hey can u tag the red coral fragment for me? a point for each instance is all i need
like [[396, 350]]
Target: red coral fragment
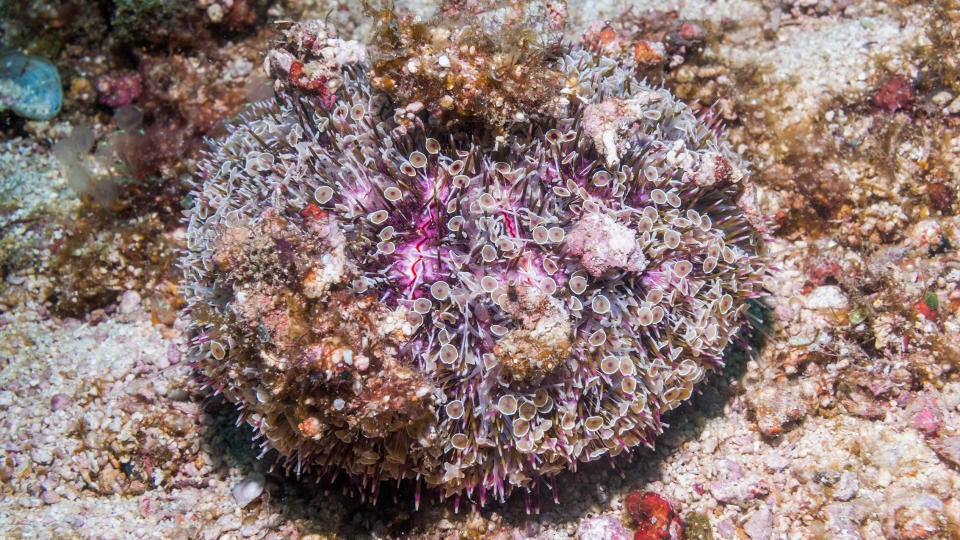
[[312, 211], [654, 517], [893, 94], [823, 269], [922, 308], [316, 84]]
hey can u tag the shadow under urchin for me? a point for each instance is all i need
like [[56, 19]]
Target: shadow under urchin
[[388, 301]]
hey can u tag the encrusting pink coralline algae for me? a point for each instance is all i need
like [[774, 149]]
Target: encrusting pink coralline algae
[[470, 310]]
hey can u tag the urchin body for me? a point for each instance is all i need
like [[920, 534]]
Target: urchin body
[[470, 312]]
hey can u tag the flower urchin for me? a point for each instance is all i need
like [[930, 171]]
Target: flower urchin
[[470, 312]]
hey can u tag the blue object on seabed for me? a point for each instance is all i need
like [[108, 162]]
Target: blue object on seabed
[[29, 85]]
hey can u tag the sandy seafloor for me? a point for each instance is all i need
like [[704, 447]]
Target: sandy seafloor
[[844, 424]]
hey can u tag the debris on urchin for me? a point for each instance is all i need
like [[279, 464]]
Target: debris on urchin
[[470, 311]]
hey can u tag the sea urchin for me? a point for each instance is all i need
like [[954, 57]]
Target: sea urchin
[[469, 311]]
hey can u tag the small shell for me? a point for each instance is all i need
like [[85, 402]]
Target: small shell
[[593, 423], [323, 194], [628, 385], [524, 445], [654, 296], [548, 285], [520, 427], [489, 283], [418, 160], [578, 284], [422, 305], [489, 361], [554, 136], [597, 338], [673, 199], [455, 223], [705, 223], [432, 145], [601, 178], [461, 181], [456, 167], [645, 225], [658, 196], [393, 194], [600, 304], [386, 247], [460, 441], [549, 266], [709, 264], [610, 365], [540, 397], [454, 409], [540, 234], [682, 268], [448, 354], [440, 290], [556, 234], [218, 350], [671, 238], [378, 217], [645, 317], [488, 253], [408, 169], [357, 112], [487, 202], [726, 302], [498, 330], [527, 410], [507, 404]]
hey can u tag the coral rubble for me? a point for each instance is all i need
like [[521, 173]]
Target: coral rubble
[[474, 310]]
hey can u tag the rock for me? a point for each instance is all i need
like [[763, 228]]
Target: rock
[[59, 402], [758, 527], [741, 490], [911, 514], [129, 302], [248, 489], [775, 461], [947, 447], [841, 520], [827, 297], [602, 528], [42, 456], [49, 497], [29, 85], [954, 107], [846, 487], [774, 406]]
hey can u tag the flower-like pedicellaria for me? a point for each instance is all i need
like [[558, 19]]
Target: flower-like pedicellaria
[[473, 312]]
